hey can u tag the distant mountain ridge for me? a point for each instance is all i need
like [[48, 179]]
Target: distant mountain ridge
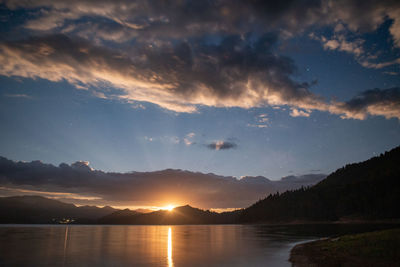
[[41, 210], [37, 209], [179, 215]]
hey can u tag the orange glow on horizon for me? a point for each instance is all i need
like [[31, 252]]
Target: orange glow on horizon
[[168, 207]]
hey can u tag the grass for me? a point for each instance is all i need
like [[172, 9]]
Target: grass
[[380, 248]]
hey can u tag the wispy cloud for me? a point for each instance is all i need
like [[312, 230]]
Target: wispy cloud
[[299, 113], [124, 19], [257, 125], [148, 139], [371, 65], [166, 139], [393, 73], [385, 103], [18, 96], [188, 139], [262, 121], [49, 194], [345, 40]]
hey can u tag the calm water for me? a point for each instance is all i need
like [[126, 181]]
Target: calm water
[[186, 245]]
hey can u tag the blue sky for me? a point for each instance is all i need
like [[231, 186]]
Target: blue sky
[[209, 96]]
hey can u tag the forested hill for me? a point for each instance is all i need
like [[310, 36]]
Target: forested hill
[[367, 190]]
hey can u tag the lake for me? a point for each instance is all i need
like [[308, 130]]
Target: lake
[[178, 245]]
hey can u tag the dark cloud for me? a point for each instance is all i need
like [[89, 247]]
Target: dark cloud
[[81, 165], [152, 19], [182, 54], [237, 72], [383, 102], [221, 145], [149, 19], [78, 181]]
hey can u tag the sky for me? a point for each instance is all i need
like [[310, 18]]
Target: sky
[[235, 88]]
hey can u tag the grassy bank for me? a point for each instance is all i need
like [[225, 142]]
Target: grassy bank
[[381, 248]]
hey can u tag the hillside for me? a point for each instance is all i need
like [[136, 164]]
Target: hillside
[[379, 248], [179, 215], [36, 209], [41, 210], [368, 190]]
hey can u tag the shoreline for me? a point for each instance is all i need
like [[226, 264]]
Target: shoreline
[[377, 248], [297, 256], [265, 224], [341, 222]]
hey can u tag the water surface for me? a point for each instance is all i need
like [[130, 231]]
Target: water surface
[[183, 245]]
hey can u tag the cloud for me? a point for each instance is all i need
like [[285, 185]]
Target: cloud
[[122, 20], [147, 19], [166, 139], [138, 188], [149, 139], [257, 125], [18, 96], [350, 20], [393, 73], [373, 102], [341, 43], [10, 191], [233, 73], [81, 165], [188, 139], [366, 16], [355, 47], [262, 121], [187, 54], [263, 118], [221, 145], [174, 140], [191, 135], [299, 113], [380, 65]]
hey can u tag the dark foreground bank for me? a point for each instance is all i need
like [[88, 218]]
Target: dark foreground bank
[[380, 248]]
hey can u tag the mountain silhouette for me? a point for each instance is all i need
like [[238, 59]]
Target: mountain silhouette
[[369, 190], [37, 209], [179, 215]]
